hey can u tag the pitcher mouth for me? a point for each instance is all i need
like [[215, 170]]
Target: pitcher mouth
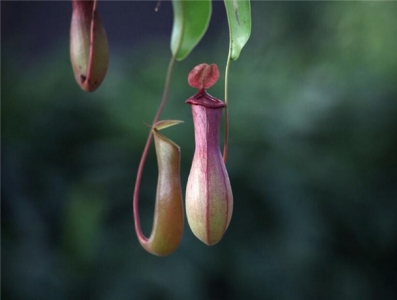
[[204, 99]]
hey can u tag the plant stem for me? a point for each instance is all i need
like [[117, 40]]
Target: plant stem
[[226, 139], [135, 204]]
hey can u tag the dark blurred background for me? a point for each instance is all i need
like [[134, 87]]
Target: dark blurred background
[[312, 157]]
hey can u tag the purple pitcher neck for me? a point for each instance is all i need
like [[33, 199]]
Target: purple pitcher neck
[[204, 99], [207, 116]]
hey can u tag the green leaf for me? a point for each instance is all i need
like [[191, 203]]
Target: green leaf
[[191, 19], [239, 18]]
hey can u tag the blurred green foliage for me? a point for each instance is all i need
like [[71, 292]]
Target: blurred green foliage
[[312, 161]]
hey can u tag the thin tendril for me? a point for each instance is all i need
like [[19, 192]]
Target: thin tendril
[[135, 204], [226, 139]]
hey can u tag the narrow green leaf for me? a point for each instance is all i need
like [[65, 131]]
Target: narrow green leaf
[[239, 18], [191, 19]]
